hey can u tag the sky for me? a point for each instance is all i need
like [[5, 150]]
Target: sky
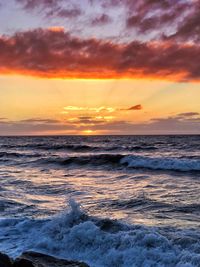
[[91, 67]]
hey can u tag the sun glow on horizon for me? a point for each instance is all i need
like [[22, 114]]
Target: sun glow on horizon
[[88, 132], [103, 107]]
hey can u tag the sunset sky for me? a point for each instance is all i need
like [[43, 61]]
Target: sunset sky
[[99, 67]]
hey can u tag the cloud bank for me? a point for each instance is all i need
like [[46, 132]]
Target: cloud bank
[[185, 123], [58, 54], [150, 39]]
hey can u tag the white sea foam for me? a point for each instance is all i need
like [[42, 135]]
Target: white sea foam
[[161, 163], [100, 243]]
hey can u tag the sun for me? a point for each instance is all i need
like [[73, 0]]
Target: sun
[[88, 132]]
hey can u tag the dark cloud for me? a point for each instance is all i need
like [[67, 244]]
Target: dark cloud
[[52, 8], [170, 125], [3, 121], [168, 20], [136, 107], [176, 125], [50, 53], [172, 20], [188, 114], [148, 15], [35, 4], [188, 29], [178, 20], [38, 120], [88, 120], [101, 20], [69, 13], [85, 118], [33, 126], [155, 126]]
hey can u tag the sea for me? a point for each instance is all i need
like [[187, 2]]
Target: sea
[[109, 201]]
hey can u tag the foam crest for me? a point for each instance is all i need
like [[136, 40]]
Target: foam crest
[[100, 242], [161, 163]]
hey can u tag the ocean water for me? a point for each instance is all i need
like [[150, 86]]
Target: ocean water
[[116, 201]]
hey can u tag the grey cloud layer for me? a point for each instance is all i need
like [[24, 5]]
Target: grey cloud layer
[[185, 123], [169, 20]]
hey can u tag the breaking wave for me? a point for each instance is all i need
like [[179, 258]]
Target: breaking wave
[[159, 163], [181, 164], [130, 161], [100, 242]]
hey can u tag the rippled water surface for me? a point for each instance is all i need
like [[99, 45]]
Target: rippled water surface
[[149, 184]]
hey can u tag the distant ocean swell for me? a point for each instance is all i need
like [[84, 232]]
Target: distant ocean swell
[[101, 242], [80, 148], [179, 164]]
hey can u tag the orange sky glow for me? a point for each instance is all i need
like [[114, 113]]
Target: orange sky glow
[[120, 68]]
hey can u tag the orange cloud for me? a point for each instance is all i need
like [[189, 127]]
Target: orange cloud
[[56, 29], [95, 109], [58, 54]]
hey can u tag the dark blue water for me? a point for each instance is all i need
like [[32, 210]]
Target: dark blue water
[[148, 188]]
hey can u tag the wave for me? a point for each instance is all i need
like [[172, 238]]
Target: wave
[[81, 147], [9, 154], [75, 235], [142, 147], [161, 163], [180, 164], [52, 146], [130, 161], [4, 155], [95, 160], [190, 208], [142, 203]]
